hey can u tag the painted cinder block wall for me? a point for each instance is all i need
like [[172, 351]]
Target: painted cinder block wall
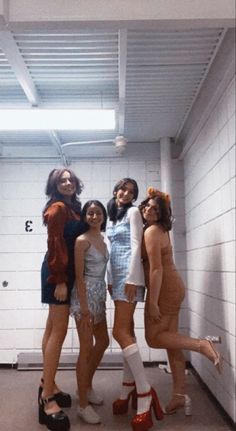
[[203, 203], [209, 166], [23, 243]]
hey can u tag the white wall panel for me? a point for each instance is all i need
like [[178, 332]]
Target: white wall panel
[[18, 225], [20, 280], [22, 316], [209, 168], [11, 242], [20, 261], [20, 207], [31, 189]]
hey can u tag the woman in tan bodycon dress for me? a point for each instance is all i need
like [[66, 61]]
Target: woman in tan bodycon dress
[[165, 293]]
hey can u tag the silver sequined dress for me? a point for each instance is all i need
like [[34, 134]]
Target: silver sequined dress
[[94, 273]]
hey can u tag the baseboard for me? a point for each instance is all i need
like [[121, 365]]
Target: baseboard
[[34, 361]]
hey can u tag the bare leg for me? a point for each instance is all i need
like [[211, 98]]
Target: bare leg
[[101, 343], [123, 329], [46, 334], [177, 361], [46, 337], [123, 333], [164, 335], [155, 337], [177, 365], [58, 321], [82, 366]]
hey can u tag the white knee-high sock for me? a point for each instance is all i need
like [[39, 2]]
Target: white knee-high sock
[[133, 358], [127, 378]]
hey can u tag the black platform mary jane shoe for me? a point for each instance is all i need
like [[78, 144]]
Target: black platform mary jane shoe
[[58, 421], [62, 398]]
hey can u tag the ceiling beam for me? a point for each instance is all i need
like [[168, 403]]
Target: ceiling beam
[[44, 11], [122, 78], [14, 58], [57, 144]]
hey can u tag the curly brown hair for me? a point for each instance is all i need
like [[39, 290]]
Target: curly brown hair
[[165, 214]]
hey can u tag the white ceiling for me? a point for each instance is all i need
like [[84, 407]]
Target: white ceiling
[[151, 77]]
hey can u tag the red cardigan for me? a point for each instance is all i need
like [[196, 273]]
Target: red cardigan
[[56, 216]]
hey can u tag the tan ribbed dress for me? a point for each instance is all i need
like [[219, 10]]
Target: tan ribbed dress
[[172, 288]]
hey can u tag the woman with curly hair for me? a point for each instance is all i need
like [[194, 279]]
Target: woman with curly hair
[[165, 293]]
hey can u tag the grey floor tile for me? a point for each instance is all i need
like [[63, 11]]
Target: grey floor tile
[[18, 402]]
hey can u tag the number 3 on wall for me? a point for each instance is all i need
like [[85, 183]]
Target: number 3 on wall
[[28, 227]]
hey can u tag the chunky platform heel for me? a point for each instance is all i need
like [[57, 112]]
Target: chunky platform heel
[[120, 406], [58, 421], [143, 421], [62, 398]]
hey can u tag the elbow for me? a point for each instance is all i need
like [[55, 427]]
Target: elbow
[[156, 274]]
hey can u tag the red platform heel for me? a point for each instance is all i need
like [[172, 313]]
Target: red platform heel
[[143, 421], [120, 407]]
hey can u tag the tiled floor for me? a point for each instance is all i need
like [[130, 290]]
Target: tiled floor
[[18, 405]]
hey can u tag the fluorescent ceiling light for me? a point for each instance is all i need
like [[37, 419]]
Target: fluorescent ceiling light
[[57, 119]]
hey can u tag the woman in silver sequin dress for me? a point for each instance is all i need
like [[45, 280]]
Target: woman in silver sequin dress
[[88, 306]]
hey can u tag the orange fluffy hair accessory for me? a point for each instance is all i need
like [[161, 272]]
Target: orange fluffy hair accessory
[[155, 193]]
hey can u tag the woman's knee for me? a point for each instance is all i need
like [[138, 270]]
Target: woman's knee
[[116, 334], [151, 340], [103, 344], [102, 341], [123, 322], [122, 336], [58, 320]]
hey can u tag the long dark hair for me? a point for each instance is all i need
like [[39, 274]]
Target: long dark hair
[[98, 204], [165, 219], [54, 196], [115, 213]]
